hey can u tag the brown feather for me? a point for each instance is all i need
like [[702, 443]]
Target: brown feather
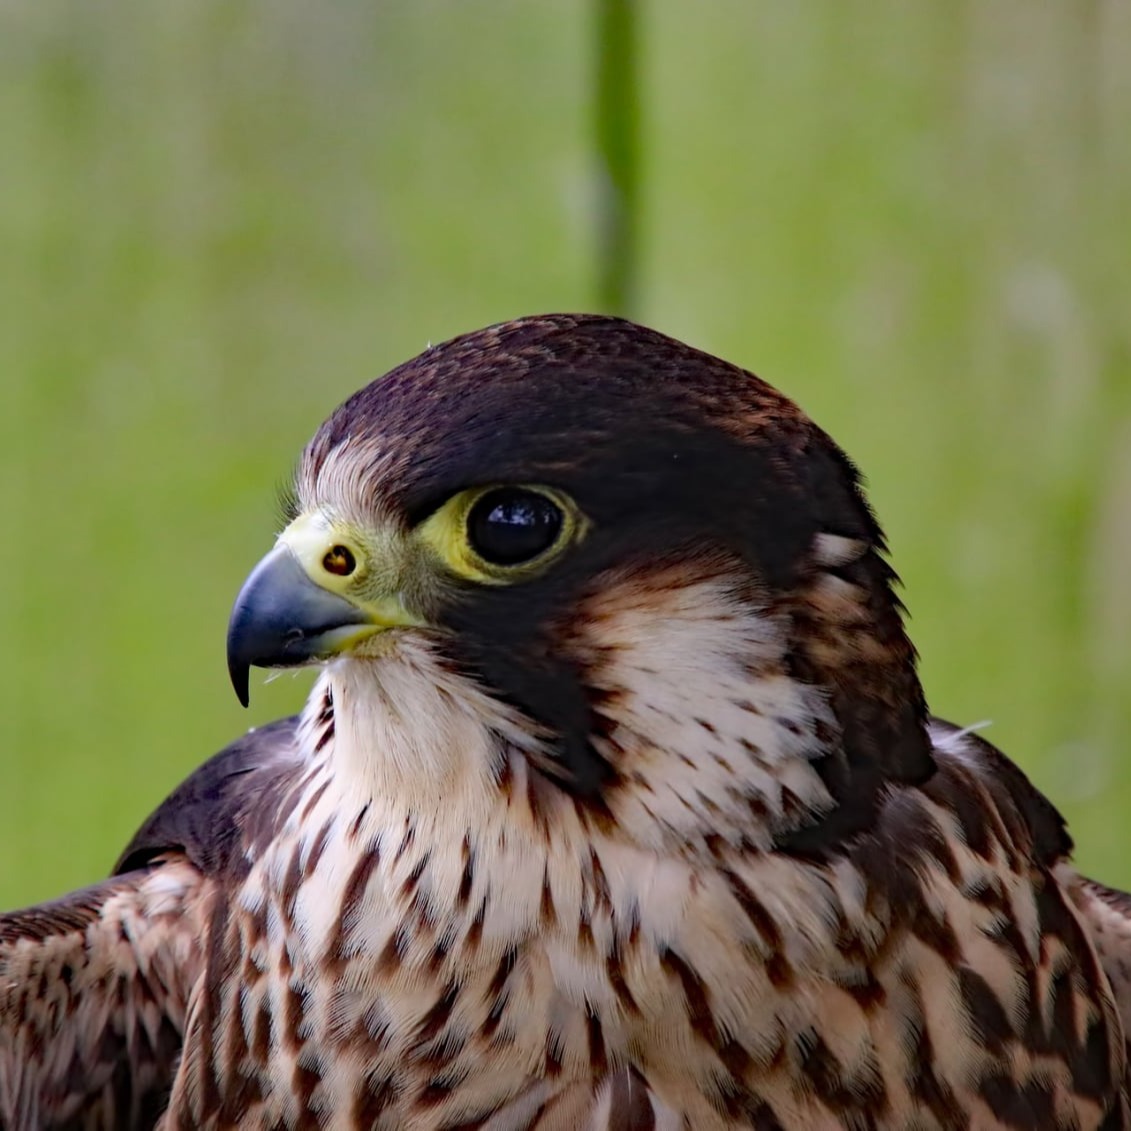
[[1106, 914], [93, 992]]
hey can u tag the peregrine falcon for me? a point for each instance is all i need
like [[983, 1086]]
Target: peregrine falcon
[[616, 804]]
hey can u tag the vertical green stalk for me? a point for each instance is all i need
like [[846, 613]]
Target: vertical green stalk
[[618, 153]]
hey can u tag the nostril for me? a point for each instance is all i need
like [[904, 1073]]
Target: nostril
[[339, 560]]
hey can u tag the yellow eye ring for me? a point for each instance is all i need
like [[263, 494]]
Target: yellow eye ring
[[503, 533], [512, 526]]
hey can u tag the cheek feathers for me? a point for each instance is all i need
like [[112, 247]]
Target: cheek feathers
[[708, 736]]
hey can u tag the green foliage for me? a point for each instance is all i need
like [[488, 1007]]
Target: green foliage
[[219, 218]]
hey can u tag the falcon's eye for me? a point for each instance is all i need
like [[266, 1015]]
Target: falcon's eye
[[511, 525], [504, 533]]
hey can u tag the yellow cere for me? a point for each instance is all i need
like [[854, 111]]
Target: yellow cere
[[378, 559]]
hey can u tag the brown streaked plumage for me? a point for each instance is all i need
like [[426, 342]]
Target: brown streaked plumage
[[616, 804]]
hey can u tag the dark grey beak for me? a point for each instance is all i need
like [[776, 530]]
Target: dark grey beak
[[282, 619]]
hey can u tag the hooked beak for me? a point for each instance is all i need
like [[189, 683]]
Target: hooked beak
[[282, 619]]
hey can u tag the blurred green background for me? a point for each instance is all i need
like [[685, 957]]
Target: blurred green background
[[219, 217]]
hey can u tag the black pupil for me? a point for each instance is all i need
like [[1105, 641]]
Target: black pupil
[[510, 525]]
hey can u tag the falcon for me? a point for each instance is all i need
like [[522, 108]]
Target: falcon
[[616, 804]]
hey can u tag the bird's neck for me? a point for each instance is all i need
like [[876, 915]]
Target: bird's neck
[[424, 783], [432, 853], [710, 739], [414, 744], [401, 729]]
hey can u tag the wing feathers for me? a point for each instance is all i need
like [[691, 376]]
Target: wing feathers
[[93, 990], [94, 986], [1107, 916]]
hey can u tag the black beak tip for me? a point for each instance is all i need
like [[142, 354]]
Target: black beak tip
[[239, 673], [280, 619], [239, 669]]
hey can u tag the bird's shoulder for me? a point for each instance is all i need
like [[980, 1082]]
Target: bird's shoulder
[[976, 802], [991, 795], [970, 872], [977, 829], [95, 986], [231, 804], [94, 989]]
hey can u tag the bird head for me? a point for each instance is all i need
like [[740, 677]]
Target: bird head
[[648, 559]]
